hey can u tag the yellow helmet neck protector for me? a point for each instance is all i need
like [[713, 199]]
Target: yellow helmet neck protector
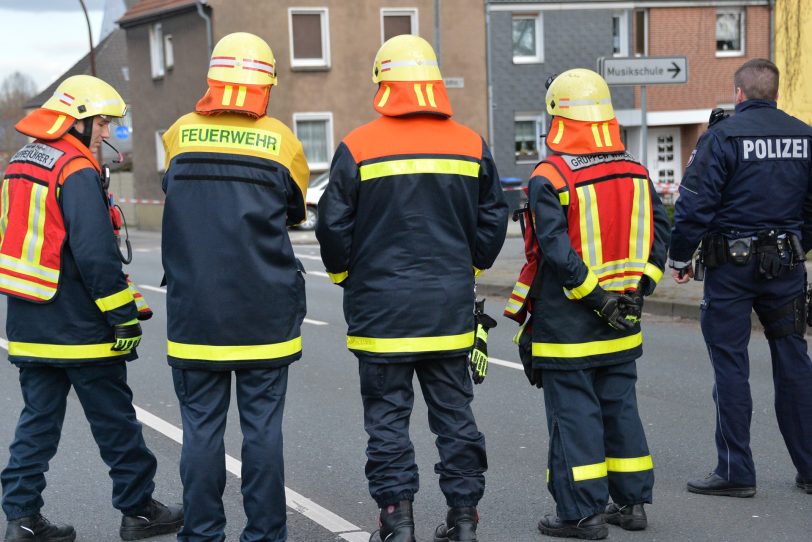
[[580, 94]]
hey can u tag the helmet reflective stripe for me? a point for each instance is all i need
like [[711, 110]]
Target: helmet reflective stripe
[[580, 94], [257, 65], [223, 62], [566, 102], [389, 64], [243, 59], [64, 97]]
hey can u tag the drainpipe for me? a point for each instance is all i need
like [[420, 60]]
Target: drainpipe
[[489, 70], [437, 30], [772, 30], [207, 19]]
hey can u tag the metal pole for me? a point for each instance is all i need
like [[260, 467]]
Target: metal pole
[[437, 32], [643, 125], [489, 74], [90, 38]]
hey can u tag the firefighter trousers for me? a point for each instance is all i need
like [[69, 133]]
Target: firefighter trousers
[[204, 398], [597, 444], [388, 397], [731, 293], [106, 400]]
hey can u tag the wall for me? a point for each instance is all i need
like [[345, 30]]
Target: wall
[[793, 55]]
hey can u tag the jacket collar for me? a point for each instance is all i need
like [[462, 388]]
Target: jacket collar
[[81, 148], [567, 136], [251, 100], [756, 104]]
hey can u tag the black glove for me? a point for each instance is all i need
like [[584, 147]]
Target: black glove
[[479, 353], [634, 312], [127, 335], [616, 309]]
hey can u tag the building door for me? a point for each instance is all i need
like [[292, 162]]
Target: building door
[[664, 160]]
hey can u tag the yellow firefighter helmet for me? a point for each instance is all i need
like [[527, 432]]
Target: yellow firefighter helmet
[[406, 58], [580, 94], [243, 58], [83, 96]]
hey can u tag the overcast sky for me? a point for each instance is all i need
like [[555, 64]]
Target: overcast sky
[[43, 38]]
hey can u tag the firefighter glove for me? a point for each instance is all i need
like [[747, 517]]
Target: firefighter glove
[[479, 354], [614, 308], [127, 335]]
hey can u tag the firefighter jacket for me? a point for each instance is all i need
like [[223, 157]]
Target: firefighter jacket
[[750, 172], [59, 263], [598, 222], [235, 291], [413, 209]]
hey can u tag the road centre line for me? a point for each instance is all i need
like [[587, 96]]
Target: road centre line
[[509, 364], [298, 502], [163, 291]]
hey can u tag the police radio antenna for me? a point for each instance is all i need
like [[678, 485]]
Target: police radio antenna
[[120, 158]]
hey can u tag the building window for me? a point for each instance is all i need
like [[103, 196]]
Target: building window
[[620, 34], [156, 50], [160, 152], [640, 32], [528, 43], [527, 137], [730, 32], [315, 131], [395, 22], [309, 30]]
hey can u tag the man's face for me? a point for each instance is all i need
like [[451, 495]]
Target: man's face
[[100, 131]]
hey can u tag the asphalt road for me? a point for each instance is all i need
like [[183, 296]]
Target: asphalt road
[[325, 440]]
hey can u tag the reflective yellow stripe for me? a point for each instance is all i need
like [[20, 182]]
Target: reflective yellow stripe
[[646, 219], [564, 197], [596, 135], [4, 209], [60, 120], [430, 94], [560, 132], [27, 268], [39, 237], [606, 137], [115, 301], [23, 286], [620, 284], [580, 350], [227, 95], [234, 353], [512, 307], [629, 464], [411, 344], [585, 288], [589, 219], [420, 165], [382, 101], [36, 218], [596, 225], [589, 472], [521, 289], [64, 351], [419, 93], [653, 272], [241, 92], [338, 277], [477, 272], [626, 267], [548, 475]]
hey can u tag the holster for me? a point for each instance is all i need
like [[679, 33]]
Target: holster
[[774, 329], [714, 250]]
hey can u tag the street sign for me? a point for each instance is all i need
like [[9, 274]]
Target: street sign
[[122, 132], [644, 70]]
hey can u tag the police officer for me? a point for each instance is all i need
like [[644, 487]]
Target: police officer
[[235, 179], [413, 211], [746, 195], [72, 320], [601, 234]]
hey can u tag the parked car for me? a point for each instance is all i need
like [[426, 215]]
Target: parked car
[[314, 191]]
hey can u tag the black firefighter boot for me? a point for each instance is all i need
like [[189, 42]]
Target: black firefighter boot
[[37, 528], [396, 524], [460, 525]]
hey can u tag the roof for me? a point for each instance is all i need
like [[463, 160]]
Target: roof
[[111, 64], [148, 10]]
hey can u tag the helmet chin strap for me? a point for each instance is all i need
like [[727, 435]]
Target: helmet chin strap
[[87, 131]]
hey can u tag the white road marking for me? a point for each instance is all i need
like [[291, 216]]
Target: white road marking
[[509, 364], [318, 274], [298, 502], [308, 257], [163, 291]]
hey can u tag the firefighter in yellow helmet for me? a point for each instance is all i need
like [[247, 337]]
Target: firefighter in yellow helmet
[[235, 179], [601, 231], [72, 320], [413, 211]]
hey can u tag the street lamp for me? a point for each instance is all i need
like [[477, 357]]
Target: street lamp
[[90, 38]]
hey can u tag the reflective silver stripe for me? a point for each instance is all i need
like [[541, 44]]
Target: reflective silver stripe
[[19, 285], [519, 289], [586, 197], [38, 193], [620, 283], [267, 68], [619, 266], [22, 267], [642, 216], [222, 63], [387, 65], [564, 102]]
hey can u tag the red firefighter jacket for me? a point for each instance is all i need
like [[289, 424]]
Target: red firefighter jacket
[[597, 221], [58, 261]]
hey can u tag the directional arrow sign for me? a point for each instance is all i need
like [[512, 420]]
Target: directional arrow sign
[[644, 70]]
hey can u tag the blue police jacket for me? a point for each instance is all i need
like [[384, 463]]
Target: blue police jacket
[[750, 172]]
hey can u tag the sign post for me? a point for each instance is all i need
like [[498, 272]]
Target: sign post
[[643, 71]]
